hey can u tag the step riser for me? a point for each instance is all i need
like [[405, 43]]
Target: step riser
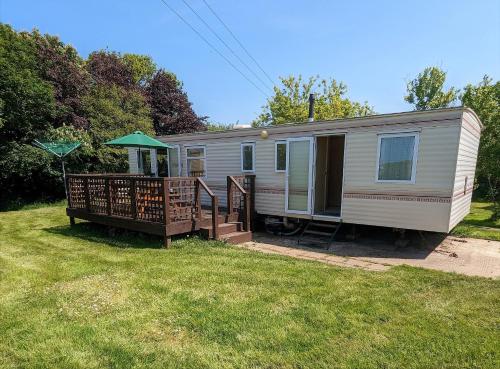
[[207, 232], [239, 238]]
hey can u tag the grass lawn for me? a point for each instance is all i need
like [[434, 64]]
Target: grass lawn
[[478, 223], [76, 298]]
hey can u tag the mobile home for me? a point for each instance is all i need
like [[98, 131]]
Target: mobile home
[[412, 170]]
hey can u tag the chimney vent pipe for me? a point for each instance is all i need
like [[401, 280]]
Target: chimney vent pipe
[[311, 107]]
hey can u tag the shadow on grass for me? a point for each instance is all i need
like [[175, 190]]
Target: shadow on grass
[[101, 234]]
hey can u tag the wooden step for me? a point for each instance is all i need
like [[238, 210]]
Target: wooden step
[[237, 237], [318, 233], [207, 220], [224, 228], [324, 225]]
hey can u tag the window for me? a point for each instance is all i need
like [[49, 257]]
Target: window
[[280, 156], [144, 161], [162, 162], [396, 161], [174, 161], [248, 157], [196, 161]]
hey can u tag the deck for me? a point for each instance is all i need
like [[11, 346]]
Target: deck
[[159, 206]]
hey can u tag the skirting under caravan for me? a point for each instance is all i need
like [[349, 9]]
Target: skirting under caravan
[[412, 170]]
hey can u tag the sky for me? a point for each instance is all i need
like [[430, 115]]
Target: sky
[[374, 47]]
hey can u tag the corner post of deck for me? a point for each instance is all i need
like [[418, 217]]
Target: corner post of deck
[[247, 211], [167, 240], [198, 200], [252, 200], [215, 217], [71, 221], [68, 193], [229, 196]]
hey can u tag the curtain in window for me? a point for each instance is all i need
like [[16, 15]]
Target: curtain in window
[[396, 158]]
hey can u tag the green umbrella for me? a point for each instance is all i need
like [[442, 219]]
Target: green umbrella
[[139, 140]]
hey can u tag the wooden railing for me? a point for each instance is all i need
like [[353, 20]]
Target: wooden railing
[[214, 206], [240, 193], [165, 206]]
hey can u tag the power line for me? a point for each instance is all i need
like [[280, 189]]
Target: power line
[[213, 47], [239, 42], [226, 45]]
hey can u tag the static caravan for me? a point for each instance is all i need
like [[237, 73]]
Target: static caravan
[[412, 170]]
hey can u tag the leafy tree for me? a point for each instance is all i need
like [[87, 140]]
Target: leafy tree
[[171, 110], [62, 67], [142, 66], [427, 91], [217, 127], [27, 108], [28, 102], [484, 99], [290, 103], [108, 68], [112, 112]]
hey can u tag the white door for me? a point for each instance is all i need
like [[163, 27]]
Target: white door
[[299, 161]]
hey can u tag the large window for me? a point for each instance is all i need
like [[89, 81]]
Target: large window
[[397, 156], [248, 157], [280, 156], [196, 165]]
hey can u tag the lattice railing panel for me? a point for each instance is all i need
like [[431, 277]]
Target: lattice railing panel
[[97, 195], [76, 192], [149, 199], [183, 204], [120, 196]]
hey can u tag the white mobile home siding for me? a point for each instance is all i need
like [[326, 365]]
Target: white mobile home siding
[[427, 204], [465, 169]]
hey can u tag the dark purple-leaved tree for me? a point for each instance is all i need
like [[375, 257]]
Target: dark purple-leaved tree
[[60, 65], [170, 108], [108, 68]]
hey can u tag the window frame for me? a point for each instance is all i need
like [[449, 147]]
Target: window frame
[[412, 180], [244, 144], [204, 158], [276, 143]]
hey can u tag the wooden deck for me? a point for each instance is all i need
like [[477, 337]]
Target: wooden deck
[[155, 205]]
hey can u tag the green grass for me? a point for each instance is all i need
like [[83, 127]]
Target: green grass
[[478, 223], [76, 298]]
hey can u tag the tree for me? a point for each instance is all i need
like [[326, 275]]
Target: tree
[[62, 67], [108, 68], [291, 102], [484, 99], [112, 112], [171, 110], [27, 109], [427, 90], [142, 66]]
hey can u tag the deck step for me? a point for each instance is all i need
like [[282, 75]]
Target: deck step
[[328, 230], [224, 228], [318, 233], [323, 225], [237, 237]]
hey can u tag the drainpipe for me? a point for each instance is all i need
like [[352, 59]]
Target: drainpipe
[[311, 108]]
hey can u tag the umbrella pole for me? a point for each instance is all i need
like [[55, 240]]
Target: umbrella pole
[[64, 178]]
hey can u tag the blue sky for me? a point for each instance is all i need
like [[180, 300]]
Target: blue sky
[[372, 46]]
